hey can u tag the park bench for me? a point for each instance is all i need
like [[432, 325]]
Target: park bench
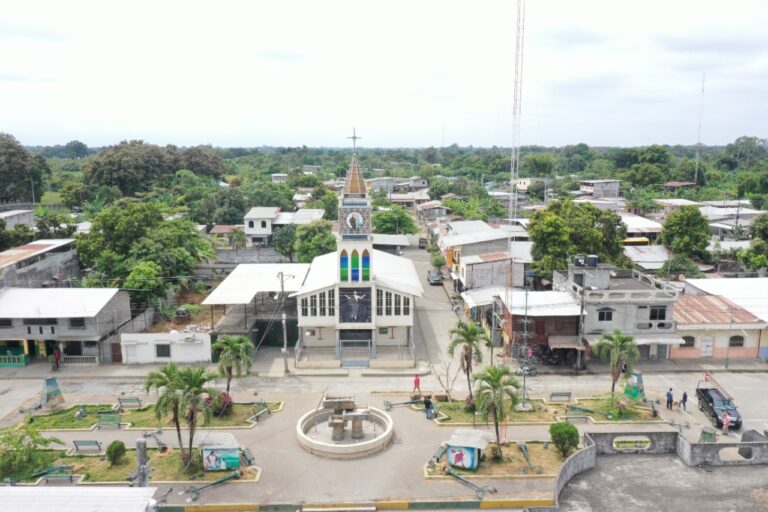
[[109, 420], [59, 473], [261, 408], [560, 396], [439, 453], [247, 456], [569, 417], [129, 401], [86, 444]]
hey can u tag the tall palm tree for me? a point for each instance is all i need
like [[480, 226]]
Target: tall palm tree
[[195, 395], [166, 382], [237, 240], [495, 386], [619, 349], [469, 336], [234, 356]]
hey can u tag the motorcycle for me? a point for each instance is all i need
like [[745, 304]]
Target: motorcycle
[[527, 370]]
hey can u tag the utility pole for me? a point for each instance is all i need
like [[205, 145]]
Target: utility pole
[[282, 277], [698, 140], [142, 469], [581, 325], [525, 335], [730, 335]]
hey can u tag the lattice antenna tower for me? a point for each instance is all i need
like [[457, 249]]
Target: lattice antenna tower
[[698, 139]]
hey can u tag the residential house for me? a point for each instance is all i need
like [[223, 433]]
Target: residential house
[[626, 300], [454, 247], [310, 169], [258, 224], [417, 183], [677, 186], [279, 177], [600, 188], [301, 198], [14, 217], [458, 227], [82, 322], [42, 263], [432, 210], [482, 270], [166, 347], [648, 258], [713, 326], [223, 230], [410, 199], [299, 217], [640, 227], [673, 204]]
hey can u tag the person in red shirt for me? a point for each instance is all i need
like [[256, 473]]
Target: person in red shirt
[[416, 385]]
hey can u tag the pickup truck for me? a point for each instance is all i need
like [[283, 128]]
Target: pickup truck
[[713, 403]]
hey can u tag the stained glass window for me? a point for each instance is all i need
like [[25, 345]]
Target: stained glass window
[[344, 266], [355, 265], [366, 266]]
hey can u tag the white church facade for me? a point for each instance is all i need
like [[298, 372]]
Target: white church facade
[[356, 305]]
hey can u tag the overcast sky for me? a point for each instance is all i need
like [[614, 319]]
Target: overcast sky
[[405, 73]]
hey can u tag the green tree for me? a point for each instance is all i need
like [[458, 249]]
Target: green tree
[[130, 166], [20, 450], [196, 400], [75, 149], [74, 194], [496, 391], [680, 264], [755, 258], [115, 451], [396, 220], [438, 261], [283, 240], [618, 349], [746, 151], [54, 225], [686, 231], [144, 281], [165, 382], [314, 239], [538, 165], [231, 206], [21, 173], [237, 240], [565, 437], [469, 336], [234, 356], [759, 227]]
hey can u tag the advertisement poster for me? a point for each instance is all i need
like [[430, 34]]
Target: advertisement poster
[[462, 457], [634, 387], [221, 459], [52, 396]]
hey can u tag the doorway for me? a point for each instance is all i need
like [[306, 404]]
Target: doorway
[[116, 353], [707, 346]]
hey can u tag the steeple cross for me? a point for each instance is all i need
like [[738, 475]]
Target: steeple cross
[[354, 138]]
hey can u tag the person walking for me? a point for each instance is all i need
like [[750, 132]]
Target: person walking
[[416, 385], [428, 410], [56, 358], [669, 399], [684, 400], [726, 419]]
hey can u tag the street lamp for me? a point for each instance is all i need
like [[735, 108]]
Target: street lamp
[[283, 277]]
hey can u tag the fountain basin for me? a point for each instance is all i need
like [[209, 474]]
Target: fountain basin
[[314, 435]]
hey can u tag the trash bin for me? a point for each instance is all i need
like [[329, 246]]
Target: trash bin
[[430, 413]]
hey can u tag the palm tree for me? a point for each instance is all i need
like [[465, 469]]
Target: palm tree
[[237, 240], [495, 386], [166, 382], [469, 336], [619, 349], [234, 356], [196, 399]]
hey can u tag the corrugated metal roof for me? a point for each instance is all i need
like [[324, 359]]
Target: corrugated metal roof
[[248, 279], [22, 252], [710, 309], [650, 257], [748, 292], [262, 212], [54, 302], [81, 498], [470, 438], [638, 224], [540, 303], [473, 238]]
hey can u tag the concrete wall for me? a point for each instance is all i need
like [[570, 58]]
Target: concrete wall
[[250, 255], [192, 347], [59, 265], [484, 274], [24, 217], [721, 339], [483, 247], [660, 442], [395, 336]]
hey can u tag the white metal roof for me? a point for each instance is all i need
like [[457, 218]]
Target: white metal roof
[[751, 293], [302, 216], [389, 271], [248, 279], [395, 240], [481, 296], [54, 302], [13, 213], [473, 238], [651, 339], [81, 498], [262, 212], [674, 201], [458, 227], [727, 245], [650, 257], [638, 224], [540, 303], [470, 438], [715, 213], [521, 251]]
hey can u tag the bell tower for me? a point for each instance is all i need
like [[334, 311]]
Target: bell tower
[[355, 242]]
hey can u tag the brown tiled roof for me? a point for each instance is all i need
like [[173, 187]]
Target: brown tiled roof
[[223, 229], [710, 309], [354, 184], [494, 256]]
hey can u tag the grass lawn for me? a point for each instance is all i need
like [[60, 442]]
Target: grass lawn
[[541, 412], [145, 416], [65, 419], [603, 405], [43, 459], [513, 463], [165, 467]]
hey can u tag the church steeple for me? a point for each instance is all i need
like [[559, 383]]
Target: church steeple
[[355, 205], [354, 185]]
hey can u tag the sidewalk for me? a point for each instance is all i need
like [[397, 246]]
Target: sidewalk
[[665, 366]]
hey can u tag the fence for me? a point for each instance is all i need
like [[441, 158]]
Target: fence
[[19, 360], [87, 360]]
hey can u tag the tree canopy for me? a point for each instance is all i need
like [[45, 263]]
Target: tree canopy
[[314, 239], [686, 231], [394, 220], [22, 174]]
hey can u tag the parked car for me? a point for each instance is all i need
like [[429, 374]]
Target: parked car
[[423, 243], [713, 402], [434, 277]]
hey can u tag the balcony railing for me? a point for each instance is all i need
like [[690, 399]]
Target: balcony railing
[[80, 360], [20, 360]]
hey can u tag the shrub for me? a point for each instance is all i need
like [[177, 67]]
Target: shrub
[[222, 404], [115, 452], [564, 436]]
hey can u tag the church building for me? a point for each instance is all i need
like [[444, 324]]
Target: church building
[[356, 305]]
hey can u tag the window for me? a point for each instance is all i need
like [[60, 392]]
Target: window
[[53, 330], [163, 350], [322, 304], [5, 323], [736, 341], [383, 330], [250, 223], [379, 302], [388, 304], [264, 224], [343, 266], [332, 302], [355, 265], [29, 330], [304, 311], [40, 321], [366, 265], [644, 325], [605, 315], [397, 305], [313, 305], [77, 323], [406, 306], [658, 313], [689, 341]]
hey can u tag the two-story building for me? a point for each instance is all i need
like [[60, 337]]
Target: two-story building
[[44, 262], [600, 188], [258, 224], [82, 322], [356, 305], [626, 300]]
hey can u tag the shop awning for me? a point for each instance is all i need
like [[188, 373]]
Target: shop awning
[[650, 339], [565, 342], [454, 276]]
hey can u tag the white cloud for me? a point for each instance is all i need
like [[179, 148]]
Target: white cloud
[[303, 72]]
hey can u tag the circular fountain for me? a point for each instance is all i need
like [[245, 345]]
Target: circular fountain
[[342, 430]]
